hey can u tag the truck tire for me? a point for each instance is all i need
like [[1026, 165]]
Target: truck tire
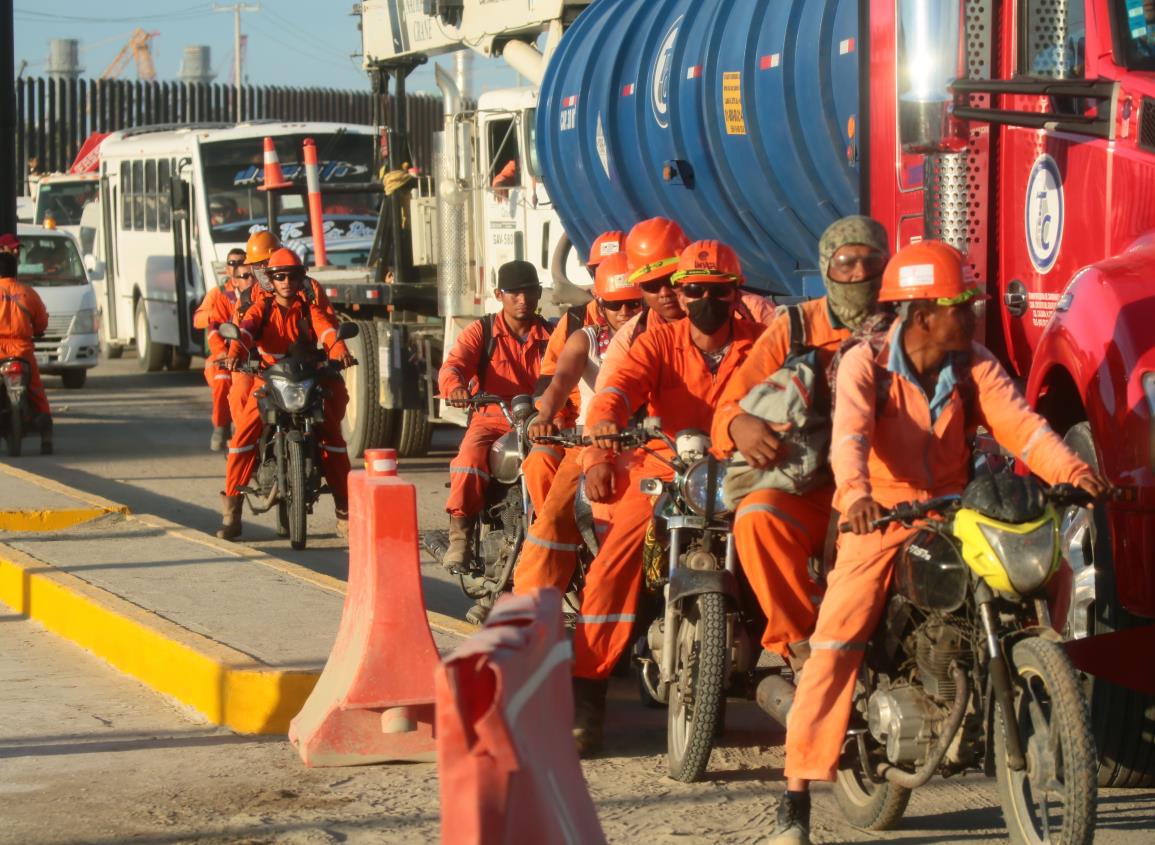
[[1123, 720], [74, 379], [179, 361], [151, 356], [414, 431], [366, 424]]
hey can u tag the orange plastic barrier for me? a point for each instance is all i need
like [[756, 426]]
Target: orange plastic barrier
[[274, 178], [509, 767], [374, 701]]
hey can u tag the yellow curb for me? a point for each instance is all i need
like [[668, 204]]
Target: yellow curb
[[52, 520], [226, 686], [63, 490]]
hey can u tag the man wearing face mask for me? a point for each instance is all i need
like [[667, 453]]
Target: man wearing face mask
[[776, 532], [679, 370]]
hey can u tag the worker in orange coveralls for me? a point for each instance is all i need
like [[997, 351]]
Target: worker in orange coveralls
[[258, 249], [543, 460], [776, 533], [498, 354], [218, 307], [914, 448], [22, 318], [272, 325], [549, 554], [679, 370]]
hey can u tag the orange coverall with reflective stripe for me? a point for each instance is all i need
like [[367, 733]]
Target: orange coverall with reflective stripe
[[896, 453], [218, 307], [22, 317], [513, 369], [776, 533], [665, 370], [273, 340]]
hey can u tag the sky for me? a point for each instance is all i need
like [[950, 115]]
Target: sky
[[290, 42]]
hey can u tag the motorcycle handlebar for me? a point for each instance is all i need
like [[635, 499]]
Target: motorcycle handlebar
[[906, 512]]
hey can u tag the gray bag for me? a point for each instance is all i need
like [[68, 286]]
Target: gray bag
[[795, 401]]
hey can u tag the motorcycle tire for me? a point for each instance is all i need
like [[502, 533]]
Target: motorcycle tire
[[865, 804], [702, 670], [298, 526], [282, 518], [15, 431], [1123, 720], [1048, 702]]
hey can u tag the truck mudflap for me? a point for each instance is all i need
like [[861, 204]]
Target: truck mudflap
[[402, 369]]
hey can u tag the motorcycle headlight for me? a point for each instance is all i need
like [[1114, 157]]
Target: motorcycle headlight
[[84, 322], [505, 459], [1029, 557], [696, 487], [931, 573], [292, 396]]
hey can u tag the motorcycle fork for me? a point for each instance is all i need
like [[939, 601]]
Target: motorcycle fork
[[669, 632], [1001, 685]]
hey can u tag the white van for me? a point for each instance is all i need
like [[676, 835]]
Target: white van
[[50, 263]]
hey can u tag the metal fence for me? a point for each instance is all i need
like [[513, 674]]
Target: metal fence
[[53, 116]]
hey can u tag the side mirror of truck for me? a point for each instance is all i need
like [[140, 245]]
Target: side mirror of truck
[[179, 191], [229, 331], [348, 330]]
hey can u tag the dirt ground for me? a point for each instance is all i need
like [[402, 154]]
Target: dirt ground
[[89, 756]]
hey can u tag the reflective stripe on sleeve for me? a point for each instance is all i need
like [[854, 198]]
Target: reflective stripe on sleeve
[[610, 618], [616, 390], [838, 645], [241, 449], [1032, 441], [552, 546]]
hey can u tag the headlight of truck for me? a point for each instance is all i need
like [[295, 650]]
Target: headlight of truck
[[1028, 558], [292, 396], [84, 322], [695, 488]]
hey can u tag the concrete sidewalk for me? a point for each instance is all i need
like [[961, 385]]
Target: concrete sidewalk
[[234, 633]]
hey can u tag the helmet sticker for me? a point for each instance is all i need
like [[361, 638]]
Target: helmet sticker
[[916, 276]]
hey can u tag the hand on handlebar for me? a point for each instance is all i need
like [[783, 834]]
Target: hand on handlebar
[[346, 361], [605, 436], [229, 363], [862, 515], [541, 428], [458, 398], [1095, 485]]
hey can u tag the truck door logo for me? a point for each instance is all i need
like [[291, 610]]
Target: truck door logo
[[663, 73], [1044, 213]]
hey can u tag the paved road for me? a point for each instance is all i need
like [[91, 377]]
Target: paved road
[[89, 756]]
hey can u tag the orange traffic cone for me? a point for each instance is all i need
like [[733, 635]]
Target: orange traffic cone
[[274, 178]]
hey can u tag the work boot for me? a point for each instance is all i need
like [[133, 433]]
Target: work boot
[[231, 516], [793, 824], [589, 704], [45, 425], [219, 439], [342, 512], [460, 549]]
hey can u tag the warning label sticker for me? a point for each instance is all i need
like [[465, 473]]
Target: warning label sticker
[[732, 103]]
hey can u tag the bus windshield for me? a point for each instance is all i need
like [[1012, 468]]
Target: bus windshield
[[234, 169], [64, 201], [47, 260]]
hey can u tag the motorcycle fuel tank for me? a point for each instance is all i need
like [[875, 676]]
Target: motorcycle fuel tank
[[737, 118]]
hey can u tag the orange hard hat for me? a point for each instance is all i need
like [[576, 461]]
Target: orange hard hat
[[928, 270], [653, 247], [260, 246], [607, 244], [612, 280], [708, 262], [284, 259]]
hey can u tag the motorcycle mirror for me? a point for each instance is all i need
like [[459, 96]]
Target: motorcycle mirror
[[652, 424], [348, 330], [229, 331]]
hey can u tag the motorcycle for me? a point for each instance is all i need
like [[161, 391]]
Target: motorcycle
[[966, 673], [15, 407], [288, 473], [699, 647]]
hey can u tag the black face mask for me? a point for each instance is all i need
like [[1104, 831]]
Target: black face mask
[[708, 315]]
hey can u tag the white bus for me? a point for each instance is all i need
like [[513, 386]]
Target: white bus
[[174, 201]]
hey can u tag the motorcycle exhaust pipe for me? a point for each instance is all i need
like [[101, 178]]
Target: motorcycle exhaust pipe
[[913, 780]]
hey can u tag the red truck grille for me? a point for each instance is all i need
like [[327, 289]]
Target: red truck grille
[[1147, 124]]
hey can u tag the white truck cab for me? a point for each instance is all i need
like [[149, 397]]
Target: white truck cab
[[50, 262]]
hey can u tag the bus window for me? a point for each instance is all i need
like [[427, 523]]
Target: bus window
[[125, 195], [164, 195], [138, 195], [150, 197]]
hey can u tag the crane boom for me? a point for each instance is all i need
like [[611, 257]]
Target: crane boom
[[393, 30]]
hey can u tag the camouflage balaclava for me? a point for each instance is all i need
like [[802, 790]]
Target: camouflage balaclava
[[851, 302]]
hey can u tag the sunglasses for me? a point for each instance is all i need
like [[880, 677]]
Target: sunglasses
[[710, 291], [244, 275], [534, 291], [285, 277], [238, 263], [656, 285], [620, 304]]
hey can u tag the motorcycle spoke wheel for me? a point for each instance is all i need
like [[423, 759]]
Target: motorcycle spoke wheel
[[864, 803], [1053, 799], [298, 527], [701, 672]]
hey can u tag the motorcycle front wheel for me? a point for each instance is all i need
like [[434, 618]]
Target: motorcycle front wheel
[[701, 672], [1053, 800], [296, 494]]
